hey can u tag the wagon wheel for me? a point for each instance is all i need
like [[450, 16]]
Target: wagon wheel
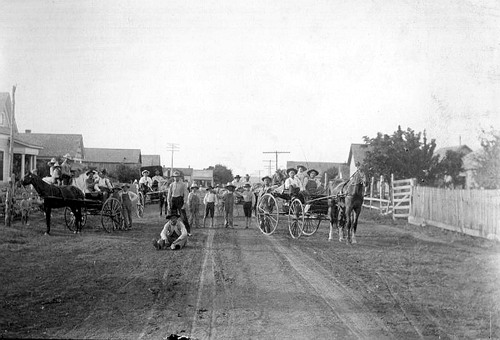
[[296, 218], [69, 218], [111, 215], [311, 225], [267, 214], [140, 205]]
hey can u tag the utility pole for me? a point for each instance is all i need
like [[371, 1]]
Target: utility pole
[[276, 153], [268, 167], [172, 147], [10, 192]]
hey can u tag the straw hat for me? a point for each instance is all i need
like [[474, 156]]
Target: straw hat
[[145, 172], [269, 178], [291, 169], [52, 161], [301, 167], [194, 185], [229, 185], [176, 173], [67, 156], [313, 170]]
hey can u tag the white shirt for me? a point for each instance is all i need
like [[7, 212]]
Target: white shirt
[[295, 181]]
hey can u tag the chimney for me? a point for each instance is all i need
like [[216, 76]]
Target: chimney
[[27, 131]]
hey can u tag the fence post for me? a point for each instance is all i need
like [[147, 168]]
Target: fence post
[[392, 195], [380, 194]]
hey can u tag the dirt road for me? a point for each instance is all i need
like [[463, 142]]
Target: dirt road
[[399, 281]]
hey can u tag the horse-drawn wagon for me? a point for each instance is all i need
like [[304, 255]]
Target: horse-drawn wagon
[[77, 205]]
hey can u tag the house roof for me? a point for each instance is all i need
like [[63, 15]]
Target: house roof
[[107, 155], [184, 171], [358, 152], [150, 160], [461, 149], [54, 145]]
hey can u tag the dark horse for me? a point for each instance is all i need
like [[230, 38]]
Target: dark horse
[[57, 197], [354, 191]]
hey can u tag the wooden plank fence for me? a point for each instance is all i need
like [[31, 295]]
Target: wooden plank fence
[[472, 212]]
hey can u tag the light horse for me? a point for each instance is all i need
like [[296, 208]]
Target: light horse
[[57, 197]]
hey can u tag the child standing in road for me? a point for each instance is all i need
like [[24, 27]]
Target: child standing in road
[[228, 198], [126, 198], [194, 206], [248, 203], [25, 209], [210, 200]]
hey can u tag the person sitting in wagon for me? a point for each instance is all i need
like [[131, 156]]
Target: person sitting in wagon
[[156, 180], [91, 187], [310, 183], [293, 185], [66, 169], [104, 184], [145, 183]]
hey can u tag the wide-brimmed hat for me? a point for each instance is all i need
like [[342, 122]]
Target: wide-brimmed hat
[[52, 161], [126, 185], [172, 214], [291, 169], [237, 176], [247, 185], [90, 172], [228, 185], [312, 170], [145, 172], [56, 165], [176, 174], [301, 167], [67, 156], [269, 178], [194, 185]]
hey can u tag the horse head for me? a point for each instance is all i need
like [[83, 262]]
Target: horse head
[[28, 179]]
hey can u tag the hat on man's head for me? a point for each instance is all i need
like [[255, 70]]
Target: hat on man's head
[[291, 169], [145, 172], [52, 161], [237, 176], [126, 185], [67, 156], [172, 214], [269, 178], [313, 170], [176, 174], [229, 185], [301, 167], [90, 172], [194, 185], [56, 165], [247, 185]]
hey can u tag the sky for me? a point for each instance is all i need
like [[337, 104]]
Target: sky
[[227, 81]]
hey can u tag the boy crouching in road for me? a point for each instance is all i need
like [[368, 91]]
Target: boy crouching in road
[[173, 235]]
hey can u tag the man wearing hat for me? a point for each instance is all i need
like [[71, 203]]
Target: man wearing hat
[[193, 203], [126, 197], [177, 197], [236, 182], [301, 172], [266, 187], [104, 184], [247, 180], [145, 183], [210, 200], [90, 183], [174, 234], [228, 199], [248, 202], [66, 169]]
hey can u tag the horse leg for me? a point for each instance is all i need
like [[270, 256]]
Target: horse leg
[[357, 211], [333, 221], [47, 218], [348, 226]]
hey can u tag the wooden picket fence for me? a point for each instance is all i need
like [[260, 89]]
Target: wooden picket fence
[[391, 199], [472, 212]]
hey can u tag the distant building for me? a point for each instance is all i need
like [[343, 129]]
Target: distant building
[[150, 160], [461, 149], [357, 153], [200, 177], [110, 159]]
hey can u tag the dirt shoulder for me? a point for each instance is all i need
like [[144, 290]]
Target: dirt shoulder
[[399, 281]]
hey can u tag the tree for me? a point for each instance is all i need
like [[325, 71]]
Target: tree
[[402, 154], [222, 174], [488, 171], [332, 173], [450, 165], [125, 173]]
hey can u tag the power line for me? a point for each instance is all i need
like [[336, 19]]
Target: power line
[[172, 147], [276, 153], [268, 167]]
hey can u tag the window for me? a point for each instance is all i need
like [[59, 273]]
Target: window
[[2, 119], [1, 165]]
